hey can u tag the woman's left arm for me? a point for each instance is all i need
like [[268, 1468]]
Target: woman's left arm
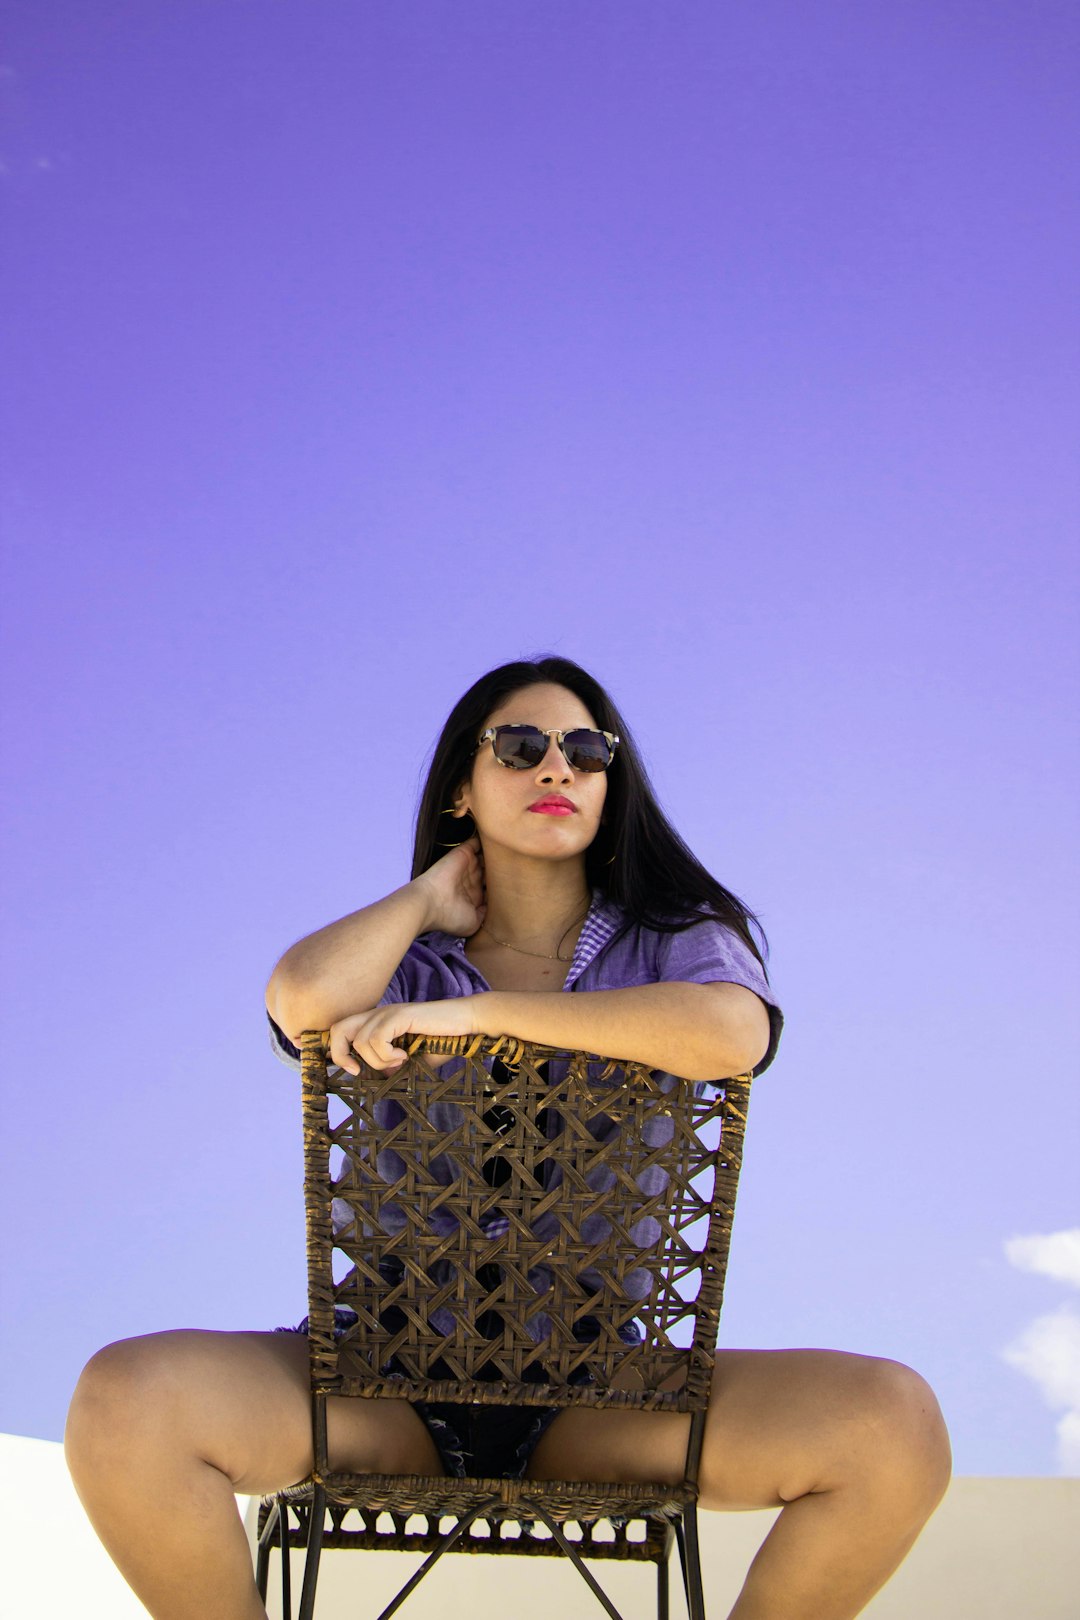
[[696, 1031]]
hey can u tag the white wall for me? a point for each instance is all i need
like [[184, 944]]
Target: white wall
[[54, 1567], [997, 1549]]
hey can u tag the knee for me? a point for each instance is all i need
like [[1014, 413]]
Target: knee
[[122, 1391], [905, 1440]]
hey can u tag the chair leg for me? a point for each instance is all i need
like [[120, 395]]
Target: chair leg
[[286, 1560], [262, 1556], [695, 1596], [662, 1572], [316, 1528], [681, 1539]]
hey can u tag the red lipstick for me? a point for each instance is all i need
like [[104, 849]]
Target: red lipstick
[[553, 805]]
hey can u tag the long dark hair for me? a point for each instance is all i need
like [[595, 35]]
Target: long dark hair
[[637, 858]]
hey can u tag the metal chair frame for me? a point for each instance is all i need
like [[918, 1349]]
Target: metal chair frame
[[579, 1140]]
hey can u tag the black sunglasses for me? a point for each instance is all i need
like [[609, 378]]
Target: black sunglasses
[[523, 747]]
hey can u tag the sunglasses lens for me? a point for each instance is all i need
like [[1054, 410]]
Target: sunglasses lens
[[521, 746], [525, 746], [587, 750]]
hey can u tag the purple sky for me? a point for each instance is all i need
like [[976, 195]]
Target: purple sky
[[352, 349]]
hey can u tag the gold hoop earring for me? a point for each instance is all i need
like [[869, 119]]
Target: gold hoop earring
[[449, 810]]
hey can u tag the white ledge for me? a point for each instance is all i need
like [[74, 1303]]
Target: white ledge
[[997, 1549]]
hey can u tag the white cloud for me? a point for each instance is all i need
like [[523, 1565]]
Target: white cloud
[[1069, 1443], [1048, 1351], [1056, 1255]]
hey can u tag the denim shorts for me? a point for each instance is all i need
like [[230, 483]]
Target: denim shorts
[[473, 1441]]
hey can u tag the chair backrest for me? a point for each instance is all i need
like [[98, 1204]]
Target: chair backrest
[[517, 1224]]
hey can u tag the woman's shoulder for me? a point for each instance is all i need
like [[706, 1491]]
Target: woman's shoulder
[[684, 945], [662, 926]]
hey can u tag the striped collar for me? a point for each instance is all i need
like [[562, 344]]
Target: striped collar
[[602, 923]]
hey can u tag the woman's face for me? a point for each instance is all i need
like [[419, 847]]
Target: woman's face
[[499, 797]]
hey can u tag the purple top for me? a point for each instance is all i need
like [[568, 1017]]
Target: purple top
[[611, 954]]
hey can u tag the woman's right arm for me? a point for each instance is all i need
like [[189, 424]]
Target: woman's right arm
[[345, 967]]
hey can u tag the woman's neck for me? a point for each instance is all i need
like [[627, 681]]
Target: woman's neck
[[534, 904]]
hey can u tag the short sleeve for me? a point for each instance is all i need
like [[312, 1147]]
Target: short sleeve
[[290, 1055], [282, 1047], [710, 953]]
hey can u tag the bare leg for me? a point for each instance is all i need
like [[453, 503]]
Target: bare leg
[[164, 1429], [853, 1448]]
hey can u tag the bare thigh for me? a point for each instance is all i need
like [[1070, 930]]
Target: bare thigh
[[241, 1402], [780, 1424]]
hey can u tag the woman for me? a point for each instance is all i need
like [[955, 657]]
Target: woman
[[564, 875]]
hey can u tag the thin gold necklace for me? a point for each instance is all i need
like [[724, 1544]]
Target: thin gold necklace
[[543, 955]]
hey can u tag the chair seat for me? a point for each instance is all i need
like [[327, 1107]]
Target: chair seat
[[603, 1512]]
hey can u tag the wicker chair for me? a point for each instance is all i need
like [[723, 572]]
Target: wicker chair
[[492, 1223]]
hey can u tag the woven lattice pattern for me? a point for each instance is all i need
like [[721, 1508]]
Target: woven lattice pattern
[[516, 1224], [507, 1224]]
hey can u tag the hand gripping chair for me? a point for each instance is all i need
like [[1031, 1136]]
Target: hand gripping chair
[[488, 1225]]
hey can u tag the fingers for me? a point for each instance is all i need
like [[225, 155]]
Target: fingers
[[383, 1054], [348, 1043], [341, 1051], [358, 1037], [376, 1054]]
